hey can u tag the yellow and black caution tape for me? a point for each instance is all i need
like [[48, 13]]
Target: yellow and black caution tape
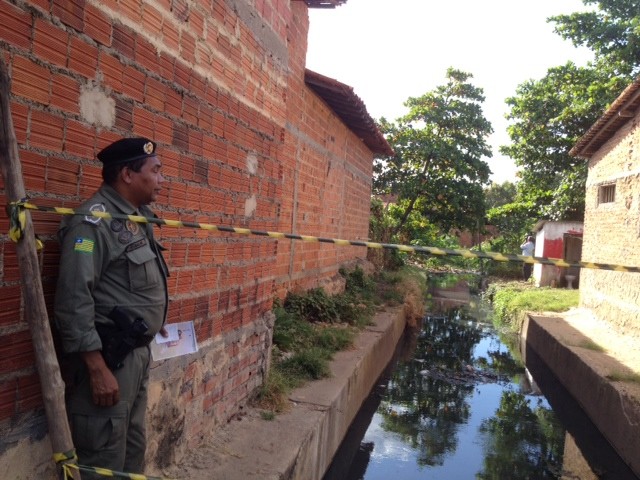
[[18, 222], [495, 256], [106, 473]]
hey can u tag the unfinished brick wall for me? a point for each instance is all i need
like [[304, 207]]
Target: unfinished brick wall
[[612, 231], [219, 85]]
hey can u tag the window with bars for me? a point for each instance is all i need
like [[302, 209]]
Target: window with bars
[[607, 193]]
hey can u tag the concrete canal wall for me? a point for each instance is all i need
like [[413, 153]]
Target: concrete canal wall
[[301, 443], [595, 364]]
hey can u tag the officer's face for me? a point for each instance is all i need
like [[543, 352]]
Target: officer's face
[[146, 184]]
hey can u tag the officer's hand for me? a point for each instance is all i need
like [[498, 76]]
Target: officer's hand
[[163, 332], [105, 391]]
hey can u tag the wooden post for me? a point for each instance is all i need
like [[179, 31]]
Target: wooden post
[[35, 309]]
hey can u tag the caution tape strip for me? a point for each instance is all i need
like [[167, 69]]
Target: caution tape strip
[[436, 251], [106, 473]]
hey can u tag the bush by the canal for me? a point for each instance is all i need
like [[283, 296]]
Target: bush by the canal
[[513, 300], [311, 327]]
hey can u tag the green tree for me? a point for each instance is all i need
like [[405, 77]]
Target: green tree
[[549, 115], [612, 33], [438, 168], [498, 194]]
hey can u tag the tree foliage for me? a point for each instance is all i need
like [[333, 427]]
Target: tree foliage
[[438, 169], [549, 115]]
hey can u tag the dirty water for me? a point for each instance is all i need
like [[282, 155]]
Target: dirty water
[[457, 403]]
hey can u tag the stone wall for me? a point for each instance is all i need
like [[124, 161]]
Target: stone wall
[[219, 85], [612, 231]]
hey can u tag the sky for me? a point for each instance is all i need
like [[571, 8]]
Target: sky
[[390, 50]]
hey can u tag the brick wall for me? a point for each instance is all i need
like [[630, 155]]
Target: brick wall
[[613, 296], [219, 85]]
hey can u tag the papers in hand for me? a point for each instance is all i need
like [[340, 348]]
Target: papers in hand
[[181, 340]]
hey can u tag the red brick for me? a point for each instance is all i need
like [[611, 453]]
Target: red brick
[[50, 43], [70, 12], [19, 115], [90, 180], [146, 54], [132, 9], [188, 47], [62, 176], [143, 124], [124, 114], [30, 80], [83, 58], [16, 352], [46, 131], [154, 94], [124, 40], [33, 166], [173, 102], [16, 25], [10, 301], [133, 83], [79, 139], [196, 23], [180, 10], [164, 130], [65, 93], [170, 36], [112, 71], [97, 25], [151, 21]]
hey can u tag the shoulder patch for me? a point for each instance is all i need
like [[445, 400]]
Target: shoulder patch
[[83, 245], [99, 207]]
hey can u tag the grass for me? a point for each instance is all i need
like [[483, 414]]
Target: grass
[[311, 327], [591, 345], [631, 377], [512, 300]]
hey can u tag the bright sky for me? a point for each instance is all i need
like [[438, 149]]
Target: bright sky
[[389, 50]]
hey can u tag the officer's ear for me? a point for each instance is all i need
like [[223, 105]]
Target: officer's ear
[[126, 175]]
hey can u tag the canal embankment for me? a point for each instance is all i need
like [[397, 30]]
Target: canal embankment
[[300, 443], [598, 366]]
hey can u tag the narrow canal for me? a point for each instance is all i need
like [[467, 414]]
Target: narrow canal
[[457, 403]]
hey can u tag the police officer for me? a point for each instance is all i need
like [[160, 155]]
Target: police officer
[[111, 300]]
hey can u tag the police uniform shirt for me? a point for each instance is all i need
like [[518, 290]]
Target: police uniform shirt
[[107, 263]]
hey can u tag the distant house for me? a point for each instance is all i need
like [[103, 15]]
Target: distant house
[[557, 240], [612, 213]]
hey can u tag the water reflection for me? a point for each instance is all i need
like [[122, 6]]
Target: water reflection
[[457, 406]]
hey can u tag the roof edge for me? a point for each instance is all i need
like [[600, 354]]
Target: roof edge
[[350, 109], [621, 110]]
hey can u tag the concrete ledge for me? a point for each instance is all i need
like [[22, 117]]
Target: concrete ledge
[[301, 443], [613, 406]]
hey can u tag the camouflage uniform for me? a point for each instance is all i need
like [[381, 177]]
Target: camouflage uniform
[[107, 263]]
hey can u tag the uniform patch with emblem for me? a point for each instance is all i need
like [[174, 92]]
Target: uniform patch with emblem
[[125, 237], [117, 225], [99, 207], [133, 227], [136, 245], [84, 245]]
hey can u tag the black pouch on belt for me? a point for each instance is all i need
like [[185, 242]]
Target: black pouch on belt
[[120, 339]]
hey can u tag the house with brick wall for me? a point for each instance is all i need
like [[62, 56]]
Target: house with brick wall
[[612, 212], [247, 136]]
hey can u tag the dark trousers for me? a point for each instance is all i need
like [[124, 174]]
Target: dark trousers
[[527, 268]]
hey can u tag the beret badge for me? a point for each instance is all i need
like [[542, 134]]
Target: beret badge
[[148, 148]]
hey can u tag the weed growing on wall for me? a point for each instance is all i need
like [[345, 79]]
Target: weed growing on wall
[[311, 327]]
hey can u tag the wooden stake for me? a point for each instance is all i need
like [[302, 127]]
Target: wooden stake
[[35, 309]]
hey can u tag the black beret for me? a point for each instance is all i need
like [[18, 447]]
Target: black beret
[[127, 150]]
